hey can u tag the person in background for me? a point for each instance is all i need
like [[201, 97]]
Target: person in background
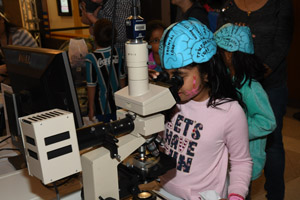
[[271, 23], [207, 132], [11, 34], [105, 10], [247, 72], [102, 78], [191, 8], [154, 32], [89, 10], [213, 9]]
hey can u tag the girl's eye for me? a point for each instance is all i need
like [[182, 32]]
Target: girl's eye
[[182, 76]]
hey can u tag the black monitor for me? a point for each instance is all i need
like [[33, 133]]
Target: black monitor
[[41, 80]]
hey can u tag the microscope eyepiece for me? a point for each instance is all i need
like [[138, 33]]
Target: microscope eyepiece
[[174, 83], [162, 77]]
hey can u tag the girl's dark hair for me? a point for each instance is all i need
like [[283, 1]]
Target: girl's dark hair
[[219, 82], [103, 32], [153, 25], [246, 67]]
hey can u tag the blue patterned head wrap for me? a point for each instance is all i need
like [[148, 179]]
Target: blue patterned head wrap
[[235, 38], [186, 42]]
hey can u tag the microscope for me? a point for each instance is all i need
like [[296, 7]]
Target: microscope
[[143, 102], [128, 154]]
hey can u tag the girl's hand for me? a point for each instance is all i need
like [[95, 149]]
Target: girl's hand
[[153, 74], [153, 185]]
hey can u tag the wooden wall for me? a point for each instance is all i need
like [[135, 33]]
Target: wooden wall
[[12, 10]]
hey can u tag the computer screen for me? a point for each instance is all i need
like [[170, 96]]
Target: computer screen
[[41, 80]]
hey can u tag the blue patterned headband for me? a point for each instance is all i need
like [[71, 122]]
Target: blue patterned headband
[[234, 38], [186, 42]]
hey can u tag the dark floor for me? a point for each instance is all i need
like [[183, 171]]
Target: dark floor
[[291, 138]]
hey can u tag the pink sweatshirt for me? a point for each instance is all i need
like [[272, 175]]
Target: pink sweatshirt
[[205, 142]]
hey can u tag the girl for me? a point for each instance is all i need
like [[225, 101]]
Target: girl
[[208, 132], [247, 71], [155, 29], [272, 23]]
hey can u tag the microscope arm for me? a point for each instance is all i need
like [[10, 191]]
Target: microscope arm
[[104, 134]]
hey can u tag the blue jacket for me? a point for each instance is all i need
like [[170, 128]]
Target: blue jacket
[[261, 122]]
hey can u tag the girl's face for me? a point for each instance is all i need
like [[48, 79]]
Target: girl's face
[[155, 38], [227, 58], [193, 84]]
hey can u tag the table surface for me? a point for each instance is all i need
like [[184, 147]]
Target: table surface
[[18, 184]]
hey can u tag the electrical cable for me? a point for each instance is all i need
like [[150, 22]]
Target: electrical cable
[[61, 182], [56, 191]]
